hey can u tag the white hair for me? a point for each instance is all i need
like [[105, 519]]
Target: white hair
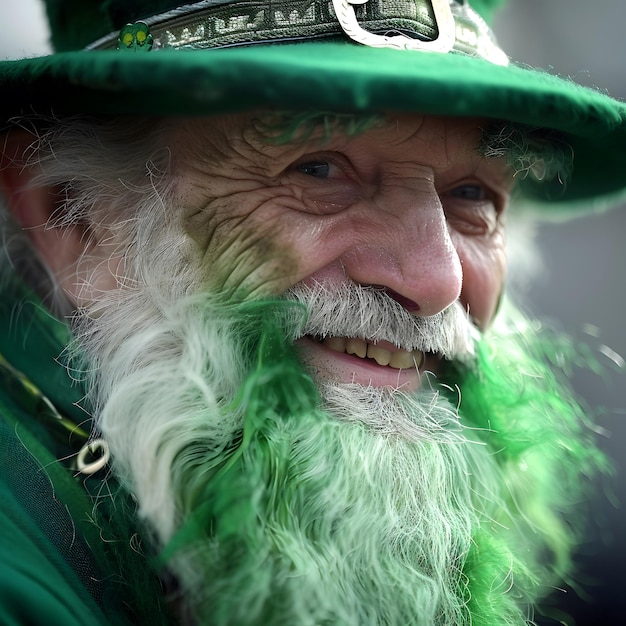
[[367, 502]]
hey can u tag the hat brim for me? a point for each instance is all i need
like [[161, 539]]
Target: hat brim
[[330, 77]]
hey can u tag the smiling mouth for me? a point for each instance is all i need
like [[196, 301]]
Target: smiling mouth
[[354, 360], [382, 353]]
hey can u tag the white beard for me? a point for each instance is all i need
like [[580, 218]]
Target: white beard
[[273, 509], [270, 507], [358, 512]]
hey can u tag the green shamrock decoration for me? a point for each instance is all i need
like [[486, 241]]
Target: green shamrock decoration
[[135, 38]]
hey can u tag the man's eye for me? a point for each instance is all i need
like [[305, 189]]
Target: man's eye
[[473, 193], [319, 169]]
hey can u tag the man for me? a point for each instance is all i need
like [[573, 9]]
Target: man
[[258, 366]]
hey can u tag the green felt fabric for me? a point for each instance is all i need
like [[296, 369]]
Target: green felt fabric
[[65, 539], [39, 539], [318, 75], [62, 562], [330, 76], [33, 341]]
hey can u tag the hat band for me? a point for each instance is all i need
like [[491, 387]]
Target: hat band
[[435, 25]]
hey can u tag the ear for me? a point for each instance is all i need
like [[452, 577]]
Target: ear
[[35, 209]]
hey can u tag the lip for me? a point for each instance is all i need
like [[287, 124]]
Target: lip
[[327, 365]]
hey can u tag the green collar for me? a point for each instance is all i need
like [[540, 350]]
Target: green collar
[[33, 367], [42, 402]]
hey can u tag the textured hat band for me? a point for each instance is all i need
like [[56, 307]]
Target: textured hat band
[[432, 25]]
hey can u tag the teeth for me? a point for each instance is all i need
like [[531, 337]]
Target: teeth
[[356, 346], [382, 357], [403, 360], [399, 359], [337, 344]]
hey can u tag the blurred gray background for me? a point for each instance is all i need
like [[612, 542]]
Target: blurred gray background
[[580, 288]]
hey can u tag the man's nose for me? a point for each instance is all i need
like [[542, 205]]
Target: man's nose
[[403, 244]]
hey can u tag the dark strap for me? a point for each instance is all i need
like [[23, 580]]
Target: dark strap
[[223, 23]]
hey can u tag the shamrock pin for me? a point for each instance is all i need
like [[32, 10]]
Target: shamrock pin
[[135, 37]]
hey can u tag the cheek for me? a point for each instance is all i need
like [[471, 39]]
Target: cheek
[[245, 243], [484, 270]]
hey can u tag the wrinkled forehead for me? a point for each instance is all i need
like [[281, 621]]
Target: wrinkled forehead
[[278, 127], [264, 137], [264, 134]]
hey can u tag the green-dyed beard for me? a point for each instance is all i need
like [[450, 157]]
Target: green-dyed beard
[[273, 510], [319, 521]]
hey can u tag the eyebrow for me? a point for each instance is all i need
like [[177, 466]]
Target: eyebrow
[[283, 127], [541, 154]]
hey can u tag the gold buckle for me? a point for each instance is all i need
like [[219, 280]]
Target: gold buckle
[[344, 10]]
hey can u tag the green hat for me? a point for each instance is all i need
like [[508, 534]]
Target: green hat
[[432, 56]]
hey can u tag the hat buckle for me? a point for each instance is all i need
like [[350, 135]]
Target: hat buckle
[[444, 42]]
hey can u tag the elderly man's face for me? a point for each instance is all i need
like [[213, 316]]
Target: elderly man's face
[[307, 500], [408, 206]]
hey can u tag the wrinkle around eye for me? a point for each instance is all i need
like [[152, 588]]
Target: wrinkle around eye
[[480, 218], [324, 183], [473, 208], [328, 201]]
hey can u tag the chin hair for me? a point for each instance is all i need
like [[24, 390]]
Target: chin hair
[[272, 501], [283, 508], [317, 520]]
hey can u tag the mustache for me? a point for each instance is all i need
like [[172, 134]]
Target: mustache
[[371, 314]]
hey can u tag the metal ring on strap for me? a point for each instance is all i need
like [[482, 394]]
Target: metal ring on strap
[[97, 446]]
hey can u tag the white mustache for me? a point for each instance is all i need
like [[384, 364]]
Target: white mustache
[[369, 313]]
